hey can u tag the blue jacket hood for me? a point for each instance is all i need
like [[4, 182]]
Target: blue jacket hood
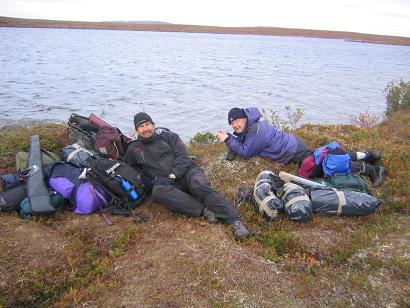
[[253, 114]]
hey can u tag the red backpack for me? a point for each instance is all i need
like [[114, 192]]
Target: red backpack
[[110, 143]]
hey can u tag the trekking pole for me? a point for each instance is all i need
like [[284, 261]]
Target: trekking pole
[[287, 177]]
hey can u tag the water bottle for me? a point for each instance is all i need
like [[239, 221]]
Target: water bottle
[[126, 186]]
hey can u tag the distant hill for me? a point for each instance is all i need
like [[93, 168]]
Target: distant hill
[[142, 22], [166, 27]]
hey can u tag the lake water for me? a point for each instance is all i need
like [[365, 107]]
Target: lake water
[[187, 81]]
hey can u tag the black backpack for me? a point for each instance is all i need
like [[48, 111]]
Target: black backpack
[[122, 182]]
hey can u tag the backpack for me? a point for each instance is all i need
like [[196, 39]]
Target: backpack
[[109, 142], [336, 162], [349, 181], [327, 160], [85, 129], [81, 130], [122, 182]]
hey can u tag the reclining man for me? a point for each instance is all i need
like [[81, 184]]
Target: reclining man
[[178, 183], [253, 137]]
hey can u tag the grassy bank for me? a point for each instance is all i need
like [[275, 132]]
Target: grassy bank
[[176, 261]]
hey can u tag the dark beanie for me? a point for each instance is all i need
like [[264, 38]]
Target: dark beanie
[[141, 118], [235, 113]]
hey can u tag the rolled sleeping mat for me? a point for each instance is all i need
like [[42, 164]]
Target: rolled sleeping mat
[[37, 191], [296, 202], [330, 201], [268, 204]]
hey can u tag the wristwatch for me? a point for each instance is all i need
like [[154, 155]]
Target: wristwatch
[[172, 176]]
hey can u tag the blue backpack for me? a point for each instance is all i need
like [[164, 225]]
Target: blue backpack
[[334, 160]]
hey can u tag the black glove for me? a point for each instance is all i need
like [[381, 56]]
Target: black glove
[[164, 181]]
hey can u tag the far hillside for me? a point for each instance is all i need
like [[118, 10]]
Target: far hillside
[[165, 27]]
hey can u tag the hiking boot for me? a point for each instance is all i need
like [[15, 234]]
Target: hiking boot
[[373, 157], [239, 230], [209, 215], [378, 176]]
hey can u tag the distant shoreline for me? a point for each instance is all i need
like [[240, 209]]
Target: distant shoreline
[[272, 31]]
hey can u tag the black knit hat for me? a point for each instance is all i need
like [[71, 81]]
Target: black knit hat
[[235, 113], [141, 118]]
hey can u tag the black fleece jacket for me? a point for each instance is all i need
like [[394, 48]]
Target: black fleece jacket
[[159, 155]]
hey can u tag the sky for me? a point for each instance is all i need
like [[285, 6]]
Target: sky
[[387, 17]]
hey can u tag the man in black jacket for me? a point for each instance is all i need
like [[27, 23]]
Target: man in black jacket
[[178, 183]]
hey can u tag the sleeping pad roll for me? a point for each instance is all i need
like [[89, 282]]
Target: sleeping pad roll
[[268, 204], [330, 201]]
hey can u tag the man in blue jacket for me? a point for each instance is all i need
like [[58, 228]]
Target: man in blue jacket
[[253, 137]]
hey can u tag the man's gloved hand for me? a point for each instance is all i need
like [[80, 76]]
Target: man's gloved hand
[[164, 181]]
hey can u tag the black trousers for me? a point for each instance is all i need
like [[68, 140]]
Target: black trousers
[[192, 194]]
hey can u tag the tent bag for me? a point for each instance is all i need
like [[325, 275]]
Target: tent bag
[[267, 203], [296, 202], [329, 201]]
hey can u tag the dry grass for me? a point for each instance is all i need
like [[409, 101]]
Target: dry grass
[[175, 261]]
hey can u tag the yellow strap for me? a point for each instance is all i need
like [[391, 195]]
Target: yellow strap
[[288, 187], [263, 207], [342, 201], [296, 199]]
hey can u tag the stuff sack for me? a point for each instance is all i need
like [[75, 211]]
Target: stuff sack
[[11, 180], [330, 201], [266, 202], [90, 198], [78, 155], [327, 160], [47, 158], [296, 202], [351, 181], [64, 178], [110, 143], [118, 179], [11, 199], [57, 201]]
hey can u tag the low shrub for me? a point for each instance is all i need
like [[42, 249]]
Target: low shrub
[[397, 96], [204, 138]]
